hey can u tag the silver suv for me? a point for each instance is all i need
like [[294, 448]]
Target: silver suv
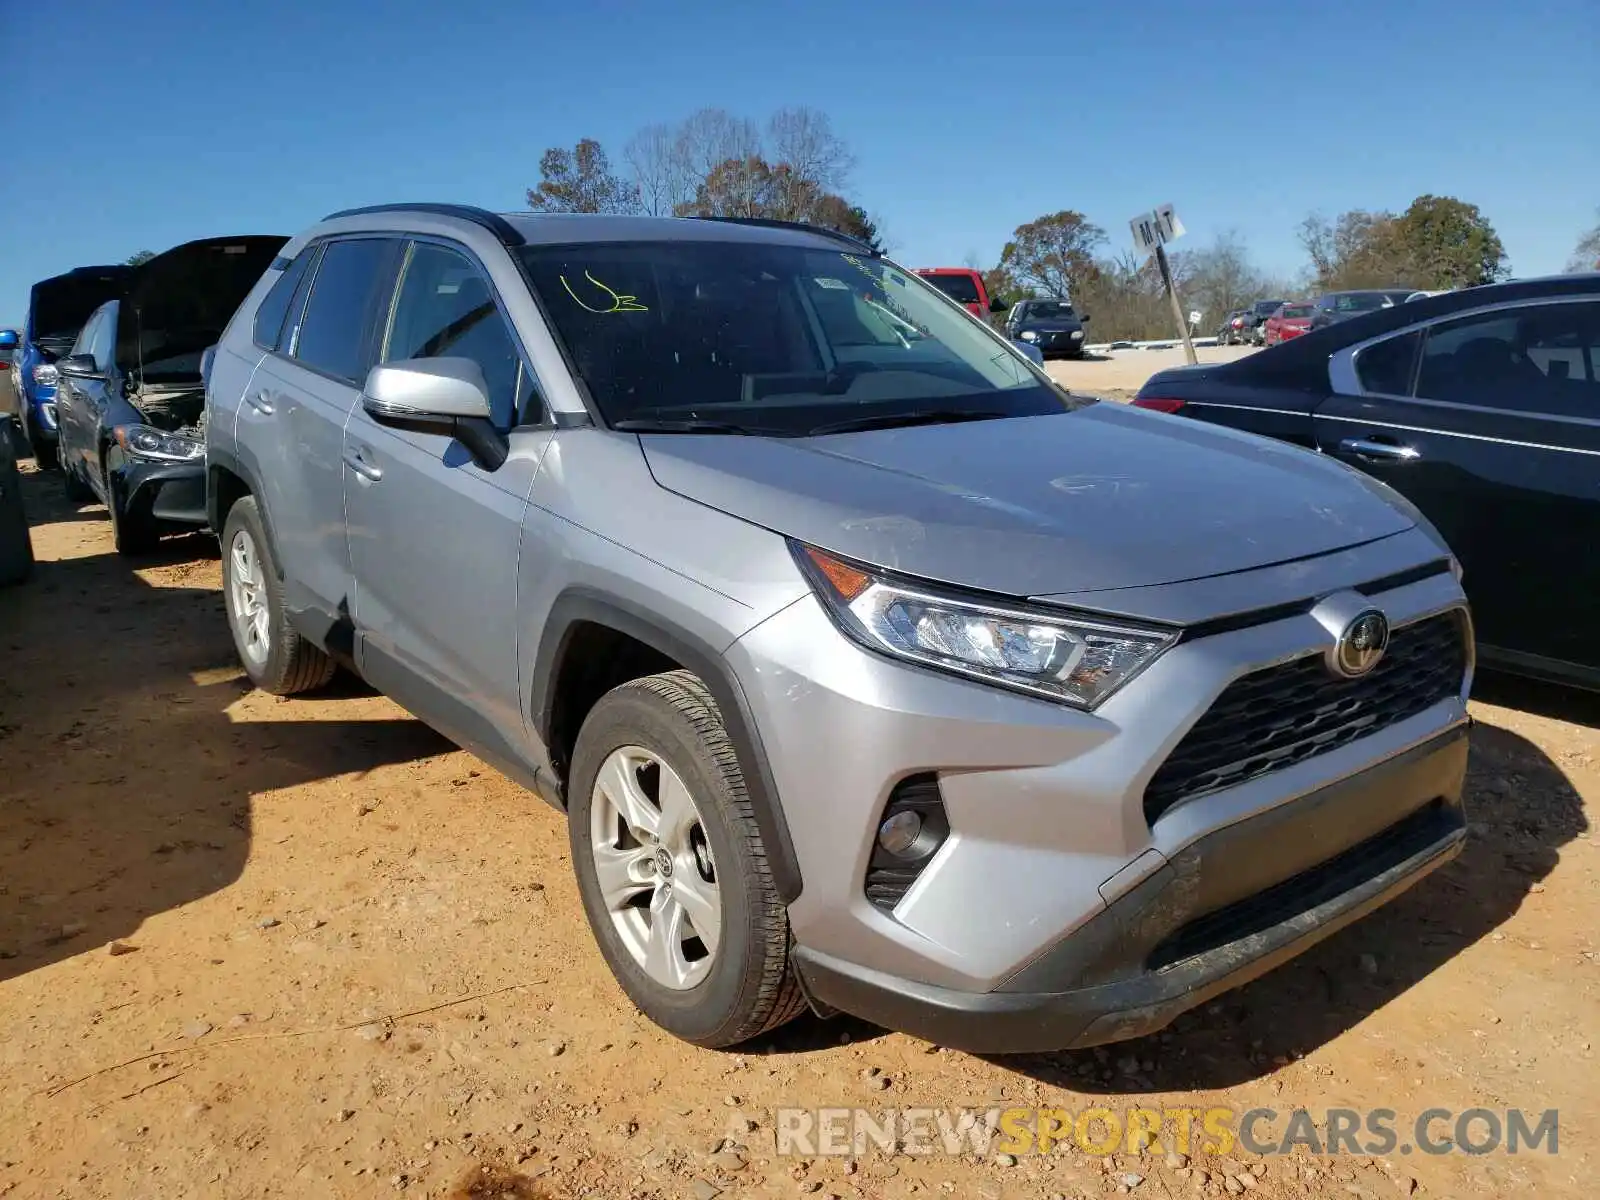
[[874, 672]]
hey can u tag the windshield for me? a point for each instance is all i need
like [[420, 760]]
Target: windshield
[[957, 287], [1266, 308], [1048, 310], [1361, 302], [1296, 312], [771, 338]]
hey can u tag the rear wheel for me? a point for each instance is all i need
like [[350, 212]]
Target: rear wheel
[[671, 866], [275, 657]]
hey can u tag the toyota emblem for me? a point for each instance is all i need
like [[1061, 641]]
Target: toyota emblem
[[1360, 646]]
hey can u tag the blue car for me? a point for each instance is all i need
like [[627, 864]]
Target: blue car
[[57, 310]]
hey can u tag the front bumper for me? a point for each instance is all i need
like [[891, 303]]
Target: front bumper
[[172, 493], [1045, 804], [1227, 909]]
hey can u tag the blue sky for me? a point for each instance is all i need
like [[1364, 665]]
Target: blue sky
[[145, 125]]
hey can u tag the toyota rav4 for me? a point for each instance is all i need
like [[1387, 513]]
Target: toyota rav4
[[874, 672]]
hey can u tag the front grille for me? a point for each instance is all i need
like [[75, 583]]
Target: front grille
[[1301, 893], [1283, 715]]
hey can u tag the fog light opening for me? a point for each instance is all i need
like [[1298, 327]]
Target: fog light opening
[[910, 832]]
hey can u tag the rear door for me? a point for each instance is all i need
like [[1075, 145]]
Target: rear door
[[1490, 423], [434, 538], [292, 424]]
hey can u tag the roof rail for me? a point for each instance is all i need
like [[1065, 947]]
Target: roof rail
[[802, 226], [493, 222]]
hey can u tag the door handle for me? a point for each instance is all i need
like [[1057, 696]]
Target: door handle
[[354, 460], [1386, 451], [260, 403]]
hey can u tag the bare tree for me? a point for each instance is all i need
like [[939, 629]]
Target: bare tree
[[1586, 255], [660, 173], [1221, 277], [804, 138], [711, 137]]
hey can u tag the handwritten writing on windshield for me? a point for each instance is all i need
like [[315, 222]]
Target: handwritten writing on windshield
[[619, 302]]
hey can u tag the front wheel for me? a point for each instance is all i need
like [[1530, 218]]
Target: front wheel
[[275, 657], [671, 867]]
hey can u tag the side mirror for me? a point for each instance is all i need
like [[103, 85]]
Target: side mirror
[[447, 396], [996, 304], [8, 339], [1083, 318], [82, 366], [207, 357]]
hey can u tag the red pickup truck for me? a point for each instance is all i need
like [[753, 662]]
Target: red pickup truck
[[965, 285]]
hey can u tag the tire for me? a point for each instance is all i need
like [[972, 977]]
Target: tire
[[276, 658], [741, 986], [16, 541], [43, 451], [133, 534], [78, 492]]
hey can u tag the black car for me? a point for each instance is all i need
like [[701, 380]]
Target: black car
[[1051, 325], [1478, 406], [1333, 307], [131, 398]]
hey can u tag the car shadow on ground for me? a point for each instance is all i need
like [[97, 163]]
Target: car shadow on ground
[[126, 786]]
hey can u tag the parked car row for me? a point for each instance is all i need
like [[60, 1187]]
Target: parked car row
[[1043, 328], [1478, 407], [649, 511]]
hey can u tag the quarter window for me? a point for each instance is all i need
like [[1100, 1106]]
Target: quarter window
[[275, 304], [1386, 367], [1541, 358], [335, 333], [446, 309]]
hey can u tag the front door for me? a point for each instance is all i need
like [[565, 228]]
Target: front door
[[1490, 424], [434, 537]]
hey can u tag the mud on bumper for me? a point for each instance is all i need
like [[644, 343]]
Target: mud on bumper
[[1223, 911]]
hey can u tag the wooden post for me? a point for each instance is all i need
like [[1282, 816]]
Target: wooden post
[[1177, 309]]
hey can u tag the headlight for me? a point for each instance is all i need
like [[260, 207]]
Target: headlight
[[1075, 661], [143, 442], [1028, 335], [45, 375]]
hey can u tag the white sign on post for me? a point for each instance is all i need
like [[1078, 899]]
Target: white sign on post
[[1155, 228]]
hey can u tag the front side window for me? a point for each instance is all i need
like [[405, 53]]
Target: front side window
[[1542, 358], [446, 309], [335, 332], [770, 337], [91, 339]]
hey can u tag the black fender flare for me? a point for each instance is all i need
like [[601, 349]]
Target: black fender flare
[[578, 605], [223, 460]]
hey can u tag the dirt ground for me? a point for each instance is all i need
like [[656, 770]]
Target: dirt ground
[[252, 947], [1120, 373]]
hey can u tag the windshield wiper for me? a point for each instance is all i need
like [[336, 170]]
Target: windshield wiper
[[681, 425], [943, 416]]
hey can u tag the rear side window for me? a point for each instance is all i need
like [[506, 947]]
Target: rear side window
[[275, 305], [1386, 367], [336, 330], [1539, 358]]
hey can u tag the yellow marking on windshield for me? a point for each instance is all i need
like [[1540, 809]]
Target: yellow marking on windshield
[[619, 303]]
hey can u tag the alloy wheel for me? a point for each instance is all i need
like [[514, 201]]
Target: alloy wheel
[[247, 599], [654, 866]]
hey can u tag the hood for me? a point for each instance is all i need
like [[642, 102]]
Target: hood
[[1102, 497], [58, 307], [178, 303]]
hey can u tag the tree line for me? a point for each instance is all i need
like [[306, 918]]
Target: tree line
[[796, 167], [714, 164]]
